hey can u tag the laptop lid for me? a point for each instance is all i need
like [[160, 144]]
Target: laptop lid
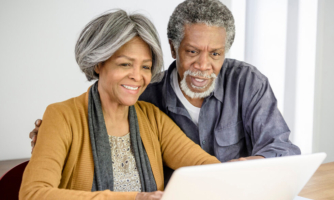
[[272, 178]]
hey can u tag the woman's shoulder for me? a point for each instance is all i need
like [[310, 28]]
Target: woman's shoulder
[[70, 106], [150, 112], [146, 107]]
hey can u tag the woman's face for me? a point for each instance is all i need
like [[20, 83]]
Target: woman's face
[[126, 74]]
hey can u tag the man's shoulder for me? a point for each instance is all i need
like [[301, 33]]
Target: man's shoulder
[[154, 91], [158, 78], [233, 67]]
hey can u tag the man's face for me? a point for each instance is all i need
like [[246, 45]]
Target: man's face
[[199, 58]]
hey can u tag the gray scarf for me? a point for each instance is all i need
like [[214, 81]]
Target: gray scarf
[[103, 170]]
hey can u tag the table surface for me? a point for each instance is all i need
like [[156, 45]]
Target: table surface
[[321, 185]]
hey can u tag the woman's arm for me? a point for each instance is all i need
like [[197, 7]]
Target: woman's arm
[[46, 169]]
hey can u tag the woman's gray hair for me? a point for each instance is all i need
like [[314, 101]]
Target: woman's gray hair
[[103, 36], [209, 12]]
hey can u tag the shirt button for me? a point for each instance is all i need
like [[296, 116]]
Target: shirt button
[[203, 142]]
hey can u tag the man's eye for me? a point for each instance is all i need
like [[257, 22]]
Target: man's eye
[[215, 54], [192, 51]]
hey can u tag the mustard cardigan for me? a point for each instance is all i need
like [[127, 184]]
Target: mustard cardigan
[[62, 166]]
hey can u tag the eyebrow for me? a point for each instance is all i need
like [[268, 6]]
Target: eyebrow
[[132, 59], [189, 45]]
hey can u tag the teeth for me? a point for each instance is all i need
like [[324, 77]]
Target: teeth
[[199, 80], [130, 88]]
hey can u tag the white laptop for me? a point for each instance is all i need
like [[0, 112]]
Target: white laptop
[[266, 179]]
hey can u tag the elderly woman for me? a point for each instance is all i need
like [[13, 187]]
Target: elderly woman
[[104, 144]]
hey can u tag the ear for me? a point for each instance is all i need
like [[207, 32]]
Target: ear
[[97, 68], [172, 49]]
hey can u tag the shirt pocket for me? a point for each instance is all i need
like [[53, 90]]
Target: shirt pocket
[[229, 141]]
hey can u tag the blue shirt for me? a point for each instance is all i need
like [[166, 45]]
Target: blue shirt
[[239, 118]]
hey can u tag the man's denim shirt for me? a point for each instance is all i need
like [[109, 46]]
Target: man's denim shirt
[[240, 118]]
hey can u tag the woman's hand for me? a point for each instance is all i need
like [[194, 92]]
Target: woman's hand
[[33, 133], [149, 195]]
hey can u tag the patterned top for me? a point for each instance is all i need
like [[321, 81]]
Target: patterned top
[[125, 172]]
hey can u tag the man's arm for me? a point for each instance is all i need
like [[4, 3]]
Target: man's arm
[[264, 123], [246, 158]]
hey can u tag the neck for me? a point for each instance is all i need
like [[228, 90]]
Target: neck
[[115, 115], [195, 102]]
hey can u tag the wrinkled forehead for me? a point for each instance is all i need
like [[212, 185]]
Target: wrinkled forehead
[[200, 34]]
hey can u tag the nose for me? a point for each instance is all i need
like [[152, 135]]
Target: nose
[[202, 63], [135, 74]]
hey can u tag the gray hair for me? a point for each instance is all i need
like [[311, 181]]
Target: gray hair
[[103, 36], [209, 12]]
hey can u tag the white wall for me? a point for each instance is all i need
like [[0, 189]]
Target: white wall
[[305, 68], [323, 139], [238, 9], [37, 40], [265, 44]]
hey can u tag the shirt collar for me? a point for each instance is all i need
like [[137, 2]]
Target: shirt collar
[[169, 94], [218, 93]]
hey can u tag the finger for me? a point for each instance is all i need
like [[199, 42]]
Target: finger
[[157, 195], [242, 159], [38, 122], [34, 138], [32, 144], [33, 133]]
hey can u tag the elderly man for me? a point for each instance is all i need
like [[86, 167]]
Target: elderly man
[[224, 105]]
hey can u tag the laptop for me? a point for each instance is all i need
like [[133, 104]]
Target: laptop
[[279, 178]]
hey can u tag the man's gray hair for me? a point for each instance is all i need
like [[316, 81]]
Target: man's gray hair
[[209, 12], [103, 36]]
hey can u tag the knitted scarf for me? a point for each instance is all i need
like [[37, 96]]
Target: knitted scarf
[[103, 170]]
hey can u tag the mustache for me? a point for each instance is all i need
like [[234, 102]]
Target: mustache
[[199, 74]]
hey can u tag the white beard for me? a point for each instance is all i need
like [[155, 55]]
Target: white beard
[[199, 95]]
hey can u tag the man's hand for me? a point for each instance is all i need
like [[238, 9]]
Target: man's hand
[[246, 158], [33, 133], [149, 195]]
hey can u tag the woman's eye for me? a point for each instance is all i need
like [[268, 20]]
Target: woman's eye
[[147, 67], [125, 64]]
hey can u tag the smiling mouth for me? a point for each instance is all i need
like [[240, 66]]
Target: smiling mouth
[[130, 88], [199, 79], [199, 83]]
